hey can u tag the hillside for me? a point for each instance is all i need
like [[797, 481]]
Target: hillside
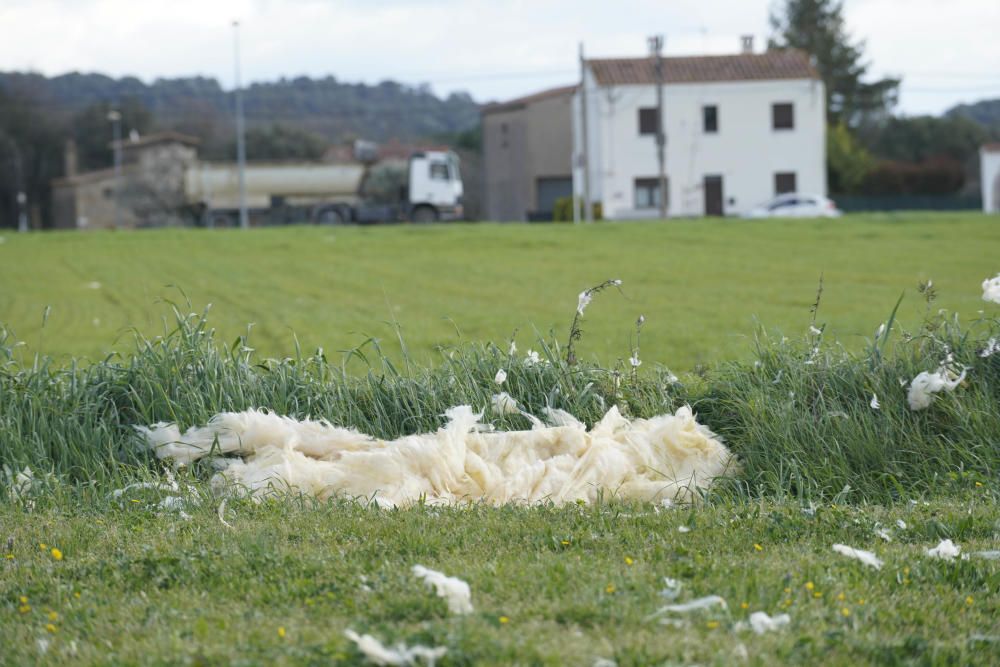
[[984, 112], [333, 109]]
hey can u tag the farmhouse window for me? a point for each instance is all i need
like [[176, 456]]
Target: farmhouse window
[[647, 193], [784, 181], [649, 121], [710, 118], [782, 116]]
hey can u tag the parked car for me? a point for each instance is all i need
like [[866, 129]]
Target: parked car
[[796, 205]]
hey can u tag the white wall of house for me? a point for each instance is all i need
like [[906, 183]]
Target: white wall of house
[[989, 177], [745, 151]]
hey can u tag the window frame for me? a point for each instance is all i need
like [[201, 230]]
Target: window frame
[[650, 185], [775, 117], [778, 175], [647, 113], [715, 119]]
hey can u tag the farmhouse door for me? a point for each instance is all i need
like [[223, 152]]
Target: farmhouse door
[[713, 195]]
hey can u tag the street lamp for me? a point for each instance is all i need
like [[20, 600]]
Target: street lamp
[[241, 149], [22, 213], [116, 132]]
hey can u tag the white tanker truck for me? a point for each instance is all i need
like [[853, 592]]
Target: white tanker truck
[[426, 188]]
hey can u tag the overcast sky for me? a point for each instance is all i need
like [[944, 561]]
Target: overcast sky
[[946, 52]]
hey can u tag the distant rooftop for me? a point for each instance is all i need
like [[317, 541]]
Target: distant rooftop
[[519, 102], [778, 64], [166, 137], [991, 148]]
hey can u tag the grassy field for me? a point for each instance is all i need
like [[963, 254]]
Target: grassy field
[[549, 586], [829, 449], [700, 284]]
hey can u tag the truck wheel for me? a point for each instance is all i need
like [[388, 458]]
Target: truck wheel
[[223, 220], [424, 214], [330, 216]]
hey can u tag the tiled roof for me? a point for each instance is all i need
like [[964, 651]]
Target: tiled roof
[[783, 64], [519, 102], [991, 148]]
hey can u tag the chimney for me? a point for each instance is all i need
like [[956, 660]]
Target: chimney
[[69, 158], [746, 42]]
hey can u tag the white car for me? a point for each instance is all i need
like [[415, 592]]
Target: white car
[[796, 205]]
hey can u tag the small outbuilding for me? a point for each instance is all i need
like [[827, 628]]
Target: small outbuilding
[[989, 177]]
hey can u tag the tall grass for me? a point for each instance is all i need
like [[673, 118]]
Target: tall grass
[[799, 416]]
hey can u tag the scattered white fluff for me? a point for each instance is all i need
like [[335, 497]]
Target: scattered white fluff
[[635, 361], [222, 514], [761, 622], [671, 588], [694, 605], [583, 301], [900, 523], [400, 654], [501, 376], [866, 557], [884, 534], [93, 285], [945, 550], [504, 404], [874, 402], [683, 529], [169, 486], [455, 591], [987, 555], [991, 289], [925, 385], [532, 358], [667, 456], [992, 347], [512, 350], [604, 662], [21, 485]]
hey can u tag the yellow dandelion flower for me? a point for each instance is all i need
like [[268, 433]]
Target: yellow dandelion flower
[[744, 605], [906, 570], [77, 595], [565, 543], [24, 608], [757, 547], [861, 600], [503, 620], [968, 600], [817, 595], [135, 500], [43, 546], [712, 625], [841, 597], [810, 586], [845, 612], [53, 616], [788, 602], [51, 628], [281, 632], [979, 483], [609, 589], [628, 560], [56, 553], [787, 589], [23, 599], [9, 556]]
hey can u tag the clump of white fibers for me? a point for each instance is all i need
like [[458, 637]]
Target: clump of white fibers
[[761, 622], [400, 654], [866, 557], [455, 591], [991, 289], [667, 456], [504, 404], [706, 602], [925, 385], [945, 550]]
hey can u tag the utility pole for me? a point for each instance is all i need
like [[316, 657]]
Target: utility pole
[[241, 149], [115, 117], [656, 46], [588, 213]]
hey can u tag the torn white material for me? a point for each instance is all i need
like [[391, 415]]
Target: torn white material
[[925, 385], [501, 376], [667, 456], [884, 534], [874, 403], [945, 550], [900, 523], [866, 557], [604, 662], [21, 484], [456, 592], [991, 289], [222, 514], [379, 654], [504, 404], [987, 555], [671, 588], [694, 605], [683, 529], [760, 622]]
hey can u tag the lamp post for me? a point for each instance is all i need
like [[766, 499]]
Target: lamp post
[[115, 117], [241, 149], [656, 47], [22, 213]]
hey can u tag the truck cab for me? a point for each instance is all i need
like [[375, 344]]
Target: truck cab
[[435, 187]]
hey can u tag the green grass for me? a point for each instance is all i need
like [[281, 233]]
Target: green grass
[[159, 590], [700, 284]]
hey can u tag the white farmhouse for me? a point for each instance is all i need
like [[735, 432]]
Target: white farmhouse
[[739, 130], [989, 177]]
